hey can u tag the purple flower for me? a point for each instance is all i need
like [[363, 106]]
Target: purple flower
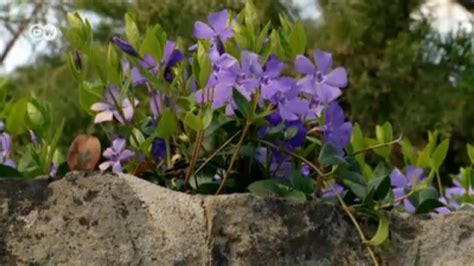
[[158, 149], [451, 197], [33, 138], [116, 155], [329, 191], [108, 109], [6, 150], [155, 103], [124, 45], [53, 170], [147, 63], [171, 57], [336, 131], [319, 81], [77, 60], [402, 183], [218, 27]]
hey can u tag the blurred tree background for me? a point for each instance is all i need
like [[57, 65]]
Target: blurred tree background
[[401, 71]]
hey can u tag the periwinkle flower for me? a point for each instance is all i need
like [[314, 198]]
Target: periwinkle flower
[[320, 81], [451, 197], [77, 60], [158, 149], [148, 64], [218, 29], [171, 58], [53, 170], [124, 45], [108, 109], [403, 183], [331, 190], [34, 138], [6, 150], [336, 131], [117, 155]]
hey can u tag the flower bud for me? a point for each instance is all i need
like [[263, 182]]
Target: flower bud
[[77, 60], [125, 46]]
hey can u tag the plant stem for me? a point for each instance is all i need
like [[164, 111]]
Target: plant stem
[[234, 156], [216, 152], [374, 147], [195, 154], [356, 224]]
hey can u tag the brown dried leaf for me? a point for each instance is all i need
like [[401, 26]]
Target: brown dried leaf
[[84, 153]]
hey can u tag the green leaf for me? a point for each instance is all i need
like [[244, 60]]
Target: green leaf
[[167, 125], [7, 171], [296, 195], [266, 188], [261, 37], [439, 154], [358, 143], [16, 119], [193, 121], [382, 231], [131, 30], [113, 65], [205, 66], [151, 44], [89, 94], [207, 119], [384, 134], [470, 152], [380, 182], [243, 105], [136, 138], [302, 183], [35, 115], [408, 152], [298, 38], [428, 206], [329, 156]]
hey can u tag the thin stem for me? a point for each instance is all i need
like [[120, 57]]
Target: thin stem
[[301, 158], [214, 154], [195, 154], [234, 156], [356, 224], [374, 147]]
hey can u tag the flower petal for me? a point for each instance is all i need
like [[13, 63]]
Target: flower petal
[[101, 106], [337, 78], [125, 155], [218, 20], [303, 65], [323, 60], [118, 145], [397, 179], [105, 165], [203, 31], [103, 117]]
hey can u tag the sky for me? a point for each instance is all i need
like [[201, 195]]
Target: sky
[[447, 17]]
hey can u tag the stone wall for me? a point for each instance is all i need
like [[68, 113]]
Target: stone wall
[[104, 219]]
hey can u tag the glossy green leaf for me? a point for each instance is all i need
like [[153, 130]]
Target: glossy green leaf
[[302, 183], [16, 119], [151, 44], [470, 152], [384, 134], [329, 156], [113, 65], [296, 195], [380, 182], [439, 154], [408, 152], [167, 125], [193, 121], [298, 38], [89, 94], [243, 105], [267, 187], [136, 138], [382, 231], [131, 30], [358, 142], [6, 171]]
